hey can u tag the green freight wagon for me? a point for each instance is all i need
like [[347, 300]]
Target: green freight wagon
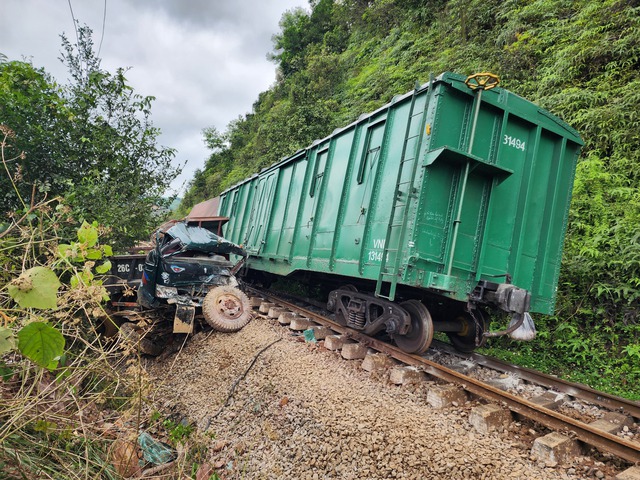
[[446, 204]]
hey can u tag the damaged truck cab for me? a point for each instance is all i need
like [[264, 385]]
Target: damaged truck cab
[[189, 267]]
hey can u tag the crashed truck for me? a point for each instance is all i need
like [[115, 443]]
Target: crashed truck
[[186, 270]]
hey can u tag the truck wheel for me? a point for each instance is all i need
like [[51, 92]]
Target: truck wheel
[[226, 309], [131, 333]]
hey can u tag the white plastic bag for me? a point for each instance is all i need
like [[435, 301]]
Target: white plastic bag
[[526, 331]]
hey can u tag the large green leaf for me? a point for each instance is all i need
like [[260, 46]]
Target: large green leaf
[[65, 250], [41, 343], [88, 234], [7, 340], [83, 277], [35, 288], [104, 267], [94, 254]]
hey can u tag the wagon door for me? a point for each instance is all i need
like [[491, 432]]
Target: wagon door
[[357, 200], [259, 218], [310, 204]]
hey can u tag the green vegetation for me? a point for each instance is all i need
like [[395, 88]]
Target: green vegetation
[[85, 141], [579, 59], [58, 376], [176, 431], [72, 401]]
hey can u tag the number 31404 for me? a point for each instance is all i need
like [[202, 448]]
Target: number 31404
[[513, 142]]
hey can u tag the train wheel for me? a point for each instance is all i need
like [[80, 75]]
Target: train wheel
[[421, 333], [226, 309], [465, 340]]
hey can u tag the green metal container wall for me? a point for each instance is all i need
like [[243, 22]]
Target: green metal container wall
[[378, 199]]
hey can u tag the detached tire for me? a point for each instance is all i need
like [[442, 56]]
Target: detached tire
[[226, 309]]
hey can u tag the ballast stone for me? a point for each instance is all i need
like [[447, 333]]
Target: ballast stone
[[489, 417], [255, 302], [549, 400], [320, 332], [274, 312], [377, 361], [505, 382], [286, 317], [555, 448], [265, 306], [441, 396], [334, 342], [406, 375], [464, 366], [354, 351]]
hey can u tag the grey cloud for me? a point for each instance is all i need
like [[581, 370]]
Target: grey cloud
[[204, 61]]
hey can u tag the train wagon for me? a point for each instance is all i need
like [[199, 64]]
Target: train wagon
[[440, 208]]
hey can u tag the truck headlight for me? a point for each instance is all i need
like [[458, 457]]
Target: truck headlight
[[166, 292]]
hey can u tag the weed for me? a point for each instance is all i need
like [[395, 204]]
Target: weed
[[178, 432]]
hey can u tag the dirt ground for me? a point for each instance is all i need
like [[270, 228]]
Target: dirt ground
[[303, 412]]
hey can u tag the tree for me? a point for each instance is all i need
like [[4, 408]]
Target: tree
[[115, 145], [34, 113], [291, 43], [91, 141]]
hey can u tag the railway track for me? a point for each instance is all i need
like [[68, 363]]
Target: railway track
[[590, 435], [574, 390]]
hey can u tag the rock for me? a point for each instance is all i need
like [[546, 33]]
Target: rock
[[219, 445], [555, 448], [124, 456]]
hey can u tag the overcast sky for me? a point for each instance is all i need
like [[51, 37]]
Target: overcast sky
[[205, 61]]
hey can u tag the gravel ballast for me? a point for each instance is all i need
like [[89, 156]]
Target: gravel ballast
[[303, 412]]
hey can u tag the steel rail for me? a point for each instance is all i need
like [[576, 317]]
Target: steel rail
[[572, 389], [595, 437]]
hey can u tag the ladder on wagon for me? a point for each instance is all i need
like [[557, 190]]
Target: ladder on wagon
[[392, 254]]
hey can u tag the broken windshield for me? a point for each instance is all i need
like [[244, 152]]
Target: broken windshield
[[185, 237]]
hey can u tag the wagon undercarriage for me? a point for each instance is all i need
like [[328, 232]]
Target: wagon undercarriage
[[411, 324]]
